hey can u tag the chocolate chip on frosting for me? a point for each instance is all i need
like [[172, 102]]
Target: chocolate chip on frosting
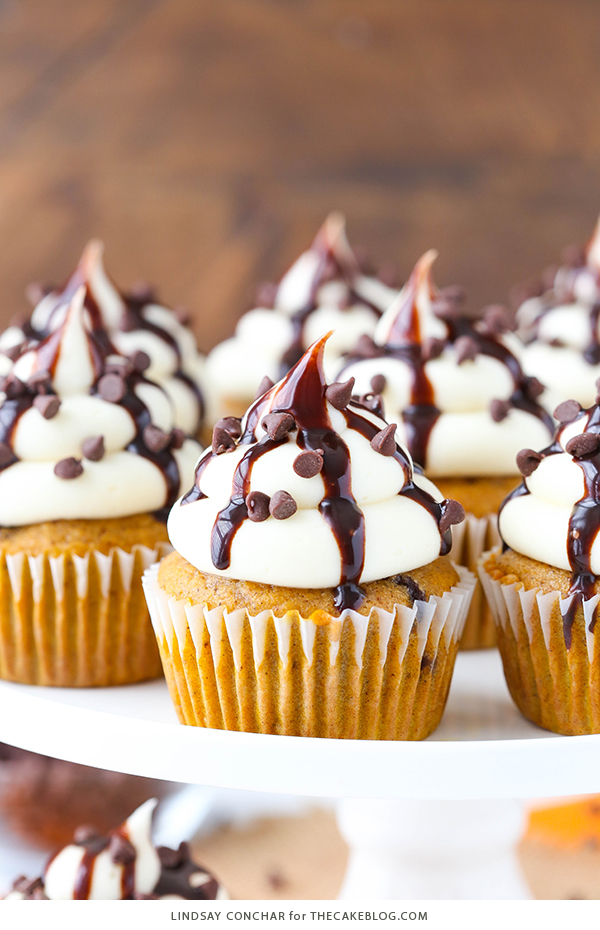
[[499, 410], [85, 834], [278, 425], [231, 425], [155, 438], [171, 858], [339, 393], [466, 349], [47, 404], [384, 441], [39, 381], [282, 505], [535, 388], [567, 411], [112, 387], [6, 454], [265, 385], [118, 365], [257, 504], [222, 441], [432, 348], [583, 444], [308, 464], [93, 448], [372, 402], [527, 461], [367, 347], [13, 387], [68, 468], [497, 320], [452, 513], [378, 383], [121, 851], [140, 360], [177, 438]]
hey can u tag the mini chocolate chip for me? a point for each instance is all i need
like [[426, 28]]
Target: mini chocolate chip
[[6, 454], [265, 385], [13, 352], [498, 320], [257, 504], [266, 294], [155, 438], [119, 366], [339, 393], [583, 444], [68, 468], [452, 513], [47, 404], [527, 461], [112, 387], [222, 441], [282, 505], [567, 411], [384, 441], [432, 348], [378, 383], [184, 317], [84, 834], [534, 387], [13, 387], [231, 425], [466, 349], [278, 425], [276, 879], [367, 347], [93, 448], [574, 256], [140, 360], [308, 464], [373, 402], [177, 438], [121, 850], [170, 858], [39, 381], [499, 410], [27, 886]]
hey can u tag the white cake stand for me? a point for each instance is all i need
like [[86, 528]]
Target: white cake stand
[[434, 819]]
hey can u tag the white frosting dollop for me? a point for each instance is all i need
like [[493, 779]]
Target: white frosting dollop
[[465, 440], [325, 281], [400, 532], [127, 479], [64, 872]]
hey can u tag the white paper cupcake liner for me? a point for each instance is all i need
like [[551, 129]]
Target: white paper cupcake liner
[[470, 539], [382, 676]]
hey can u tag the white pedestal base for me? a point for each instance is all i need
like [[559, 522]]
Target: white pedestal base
[[432, 850]]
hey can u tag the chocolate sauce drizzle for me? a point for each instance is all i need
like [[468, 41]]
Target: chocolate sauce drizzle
[[302, 394]]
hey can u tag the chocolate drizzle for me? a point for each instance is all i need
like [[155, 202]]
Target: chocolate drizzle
[[302, 394]]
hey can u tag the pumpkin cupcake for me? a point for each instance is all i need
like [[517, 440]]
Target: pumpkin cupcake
[[544, 588], [463, 405], [89, 466], [309, 593]]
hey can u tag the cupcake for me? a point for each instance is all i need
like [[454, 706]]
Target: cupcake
[[90, 463], [559, 321], [463, 405], [324, 290], [312, 598], [544, 588], [134, 322], [124, 865]]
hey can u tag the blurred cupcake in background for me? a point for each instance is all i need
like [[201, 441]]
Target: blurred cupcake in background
[[324, 290], [558, 318], [134, 322], [309, 594], [463, 405], [90, 463]]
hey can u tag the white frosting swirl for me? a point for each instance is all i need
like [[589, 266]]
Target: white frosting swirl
[[63, 873], [123, 482], [349, 304], [400, 533]]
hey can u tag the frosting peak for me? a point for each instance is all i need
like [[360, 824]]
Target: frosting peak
[[310, 490], [410, 319]]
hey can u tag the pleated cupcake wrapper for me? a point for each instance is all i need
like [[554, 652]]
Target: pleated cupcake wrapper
[[554, 686], [385, 676], [77, 621], [470, 539]]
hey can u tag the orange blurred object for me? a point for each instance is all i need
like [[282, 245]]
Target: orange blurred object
[[573, 825]]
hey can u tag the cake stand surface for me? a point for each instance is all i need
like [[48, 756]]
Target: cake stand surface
[[424, 820]]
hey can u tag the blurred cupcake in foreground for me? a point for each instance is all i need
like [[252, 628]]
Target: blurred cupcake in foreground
[[463, 405], [308, 594], [134, 322], [324, 290], [90, 463], [559, 320], [544, 588], [124, 865]]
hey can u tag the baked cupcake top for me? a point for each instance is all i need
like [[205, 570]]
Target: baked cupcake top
[[554, 515], [134, 322], [84, 433], [123, 865], [559, 320], [324, 290], [462, 402], [310, 490]]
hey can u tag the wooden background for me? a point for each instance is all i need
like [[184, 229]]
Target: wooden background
[[205, 140]]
